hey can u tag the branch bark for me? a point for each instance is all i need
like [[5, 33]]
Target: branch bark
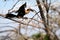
[[43, 18]]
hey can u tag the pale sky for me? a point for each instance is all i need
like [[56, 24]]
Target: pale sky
[[5, 6]]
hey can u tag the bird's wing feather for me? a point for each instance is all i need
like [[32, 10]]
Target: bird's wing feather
[[21, 8]]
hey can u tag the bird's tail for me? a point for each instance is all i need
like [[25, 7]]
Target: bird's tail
[[10, 15]]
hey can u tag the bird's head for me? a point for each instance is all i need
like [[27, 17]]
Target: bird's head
[[28, 10]]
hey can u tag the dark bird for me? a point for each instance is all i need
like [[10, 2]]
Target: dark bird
[[21, 12]]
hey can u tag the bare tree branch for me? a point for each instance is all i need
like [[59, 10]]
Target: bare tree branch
[[8, 31], [14, 5]]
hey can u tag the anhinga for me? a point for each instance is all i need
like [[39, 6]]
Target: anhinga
[[21, 12]]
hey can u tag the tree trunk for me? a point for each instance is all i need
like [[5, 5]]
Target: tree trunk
[[43, 18]]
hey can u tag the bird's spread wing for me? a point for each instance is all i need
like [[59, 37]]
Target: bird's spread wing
[[21, 8]]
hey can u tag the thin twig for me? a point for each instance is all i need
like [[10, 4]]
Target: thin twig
[[13, 5]]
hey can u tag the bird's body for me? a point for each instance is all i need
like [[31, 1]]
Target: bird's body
[[20, 11]]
